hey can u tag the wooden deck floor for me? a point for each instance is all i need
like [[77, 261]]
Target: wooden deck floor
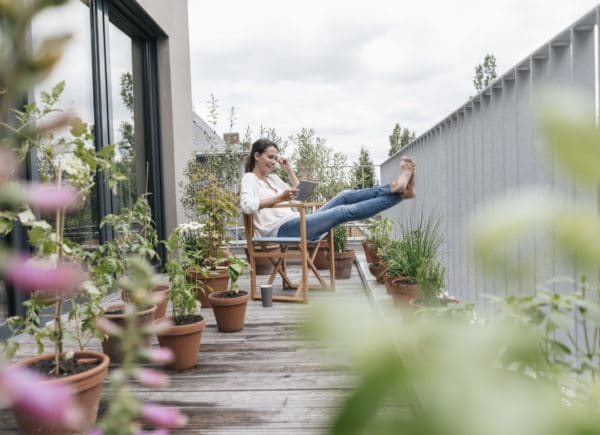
[[265, 379]]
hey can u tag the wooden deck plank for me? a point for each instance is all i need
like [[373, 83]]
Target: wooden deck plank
[[265, 379]]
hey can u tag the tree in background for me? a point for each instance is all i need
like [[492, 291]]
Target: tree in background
[[399, 138], [362, 174], [313, 160], [485, 72]]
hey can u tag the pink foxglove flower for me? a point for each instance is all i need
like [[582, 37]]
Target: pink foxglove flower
[[108, 327], [152, 378], [29, 275], [32, 393], [49, 197], [162, 416]]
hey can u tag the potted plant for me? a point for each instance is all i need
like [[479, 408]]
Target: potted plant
[[134, 235], [344, 258], [230, 306], [212, 202], [54, 274], [431, 278], [377, 235], [184, 335]]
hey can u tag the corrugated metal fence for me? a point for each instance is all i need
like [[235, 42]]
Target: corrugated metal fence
[[487, 148]]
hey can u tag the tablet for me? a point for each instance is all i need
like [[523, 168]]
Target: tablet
[[305, 188]]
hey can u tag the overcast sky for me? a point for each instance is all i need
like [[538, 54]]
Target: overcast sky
[[353, 69]]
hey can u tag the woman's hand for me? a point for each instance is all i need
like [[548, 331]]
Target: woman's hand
[[289, 194], [285, 164]]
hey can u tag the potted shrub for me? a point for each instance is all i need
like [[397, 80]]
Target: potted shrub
[[344, 258], [431, 278], [213, 204], [134, 235], [377, 235], [184, 335], [230, 306]]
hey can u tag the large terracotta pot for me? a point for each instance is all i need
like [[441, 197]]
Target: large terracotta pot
[[184, 342], [88, 388], [343, 264], [162, 291], [403, 290], [115, 313], [230, 312], [370, 253], [216, 281]]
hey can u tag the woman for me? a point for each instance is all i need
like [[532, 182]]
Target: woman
[[260, 189]]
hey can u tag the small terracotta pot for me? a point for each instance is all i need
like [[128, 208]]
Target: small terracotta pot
[[230, 312], [112, 345], [184, 341], [343, 264], [216, 281], [370, 253], [403, 290], [88, 388], [162, 290], [322, 258], [378, 271]]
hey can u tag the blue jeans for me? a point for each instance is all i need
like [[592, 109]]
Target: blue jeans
[[349, 205]]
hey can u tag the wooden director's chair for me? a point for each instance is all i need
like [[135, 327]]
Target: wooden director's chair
[[290, 247]]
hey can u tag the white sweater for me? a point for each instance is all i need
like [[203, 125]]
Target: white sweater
[[267, 220]]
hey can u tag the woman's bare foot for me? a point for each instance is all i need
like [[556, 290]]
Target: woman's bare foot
[[410, 193], [404, 175]]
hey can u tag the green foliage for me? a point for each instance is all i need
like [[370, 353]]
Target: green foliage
[[182, 294], [431, 278], [214, 205], [399, 138], [363, 172], [235, 268], [420, 243], [485, 73], [340, 238], [315, 161], [378, 232], [134, 235], [392, 254]]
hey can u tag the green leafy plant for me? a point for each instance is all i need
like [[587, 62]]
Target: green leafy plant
[[378, 232], [134, 235], [340, 238], [431, 278], [235, 269], [214, 205], [392, 255], [182, 294], [420, 243]]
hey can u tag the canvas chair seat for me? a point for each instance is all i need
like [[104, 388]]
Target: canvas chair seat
[[289, 247]]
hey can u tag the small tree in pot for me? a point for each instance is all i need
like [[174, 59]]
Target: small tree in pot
[[344, 258]]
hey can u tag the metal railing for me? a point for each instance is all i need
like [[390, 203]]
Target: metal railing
[[486, 148]]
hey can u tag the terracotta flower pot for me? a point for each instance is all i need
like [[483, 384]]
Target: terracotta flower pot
[[403, 290], [216, 281], [230, 311], [370, 253], [115, 313], [378, 271], [184, 341], [343, 264], [322, 258], [162, 290], [88, 388]]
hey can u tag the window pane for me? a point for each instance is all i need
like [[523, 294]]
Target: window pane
[[125, 103], [75, 69]]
